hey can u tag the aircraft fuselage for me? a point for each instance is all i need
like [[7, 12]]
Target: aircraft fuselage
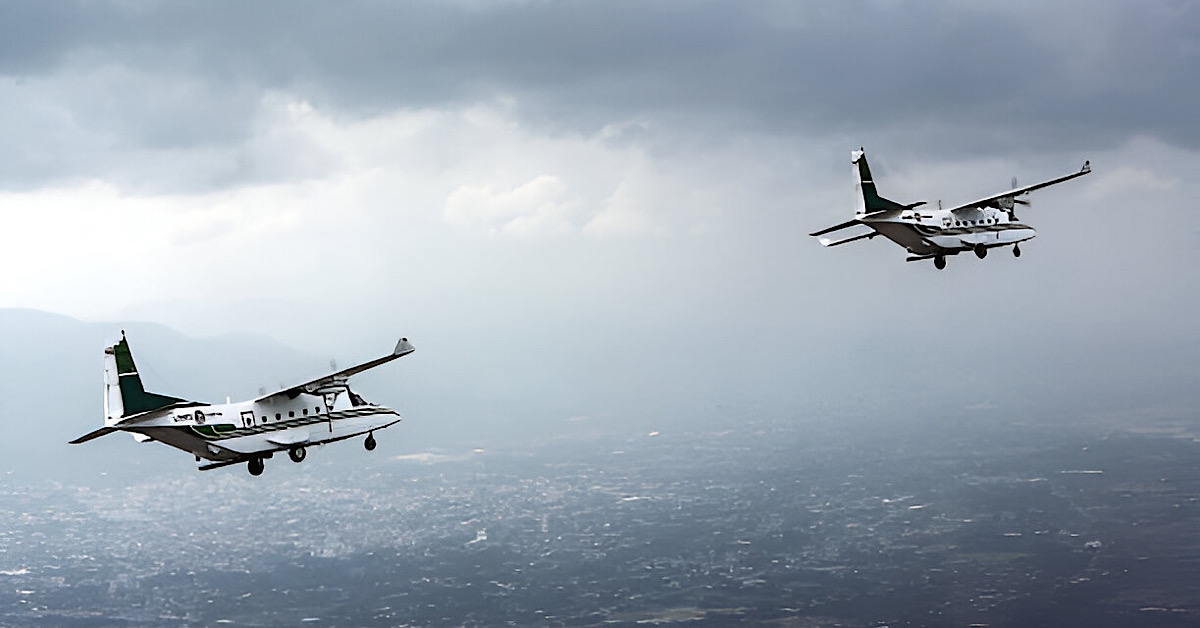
[[233, 432], [931, 233]]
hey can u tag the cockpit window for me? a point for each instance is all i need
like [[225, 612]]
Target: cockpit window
[[356, 400]]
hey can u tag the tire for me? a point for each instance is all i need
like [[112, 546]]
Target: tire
[[939, 262], [297, 454], [1016, 251], [370, 442], [255, 466], [980, 251]]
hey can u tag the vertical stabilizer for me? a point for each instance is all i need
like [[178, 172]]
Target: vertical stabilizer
[[123, 392], [114, 408], [869, 200]]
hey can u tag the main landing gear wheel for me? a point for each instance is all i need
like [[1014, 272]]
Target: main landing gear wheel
[[1016, 250], [980, 251], [939, 262], [370, 442], [297, 454], [255, 466]]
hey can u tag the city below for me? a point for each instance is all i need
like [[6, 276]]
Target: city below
[[773, 523]]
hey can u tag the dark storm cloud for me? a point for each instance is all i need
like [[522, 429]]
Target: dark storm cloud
[[169, 76]]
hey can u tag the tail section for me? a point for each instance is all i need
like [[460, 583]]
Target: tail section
[[869, 200], [124, 395]]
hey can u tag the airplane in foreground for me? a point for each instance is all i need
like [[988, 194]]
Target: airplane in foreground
[[977, 226], [316, 412]]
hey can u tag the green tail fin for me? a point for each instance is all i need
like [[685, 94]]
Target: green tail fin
[[870, 200], [134, 398]]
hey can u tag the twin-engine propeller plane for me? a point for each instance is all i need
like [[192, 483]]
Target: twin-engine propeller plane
[[977, 226], [320, 411]]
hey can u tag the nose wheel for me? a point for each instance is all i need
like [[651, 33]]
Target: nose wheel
[[1016, 250], [370, 442], [255, 466], [939, 262], [980, 251]]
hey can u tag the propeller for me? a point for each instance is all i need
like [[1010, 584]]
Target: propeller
[[1017, 200], [1010, 207]]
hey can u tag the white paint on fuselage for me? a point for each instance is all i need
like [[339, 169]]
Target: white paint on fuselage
[[237, 430], [941, 232]]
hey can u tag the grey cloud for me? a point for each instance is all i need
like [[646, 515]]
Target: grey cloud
[[968, 77]]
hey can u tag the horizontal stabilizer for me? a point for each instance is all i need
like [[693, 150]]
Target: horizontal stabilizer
[[96, 434], [862, 219], [844, 225], [829, 242]]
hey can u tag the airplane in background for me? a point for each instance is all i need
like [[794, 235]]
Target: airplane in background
[[316, 412], [927, 233]]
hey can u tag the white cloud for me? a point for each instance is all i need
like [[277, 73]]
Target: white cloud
[[541, 206]]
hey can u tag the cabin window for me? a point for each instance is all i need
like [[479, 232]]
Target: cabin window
[[278, 416], [291, 414], [316, 410], [306, 412]]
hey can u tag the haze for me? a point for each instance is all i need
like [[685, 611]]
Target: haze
[[596, 213]]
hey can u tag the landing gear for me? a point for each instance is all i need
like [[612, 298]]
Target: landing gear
[[939, 261], [980, 251], [297, 454], [1016, 250], [255, 466], [370, 442]]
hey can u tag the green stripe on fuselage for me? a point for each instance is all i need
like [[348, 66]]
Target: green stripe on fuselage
[[215, 431], [225, 430]]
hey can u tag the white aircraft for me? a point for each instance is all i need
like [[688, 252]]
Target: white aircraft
[[312, 413], [935, 233]]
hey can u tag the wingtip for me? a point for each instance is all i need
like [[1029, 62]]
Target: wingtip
[[403, 347]]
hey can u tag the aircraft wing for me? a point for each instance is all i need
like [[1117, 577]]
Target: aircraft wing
[[402, 349], [1015, 192]]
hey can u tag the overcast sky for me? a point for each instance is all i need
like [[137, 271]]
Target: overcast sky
[[610, 198]]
